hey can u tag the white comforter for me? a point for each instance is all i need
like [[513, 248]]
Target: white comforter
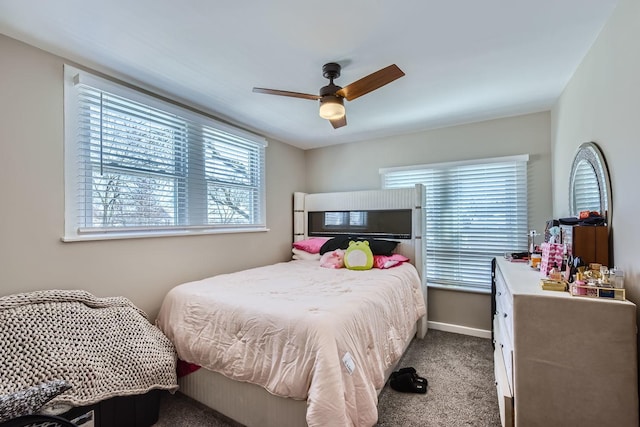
[[294, 327]]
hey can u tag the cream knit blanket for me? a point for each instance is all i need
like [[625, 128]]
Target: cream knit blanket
[[103, 347]]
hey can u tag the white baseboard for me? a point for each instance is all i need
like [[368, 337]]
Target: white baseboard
[[457, 329]]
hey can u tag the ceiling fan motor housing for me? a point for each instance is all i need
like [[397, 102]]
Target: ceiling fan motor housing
[[330, 90], [331, 105]]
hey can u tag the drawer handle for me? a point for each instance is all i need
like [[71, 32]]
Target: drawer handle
[[499, 293], [505, 315]]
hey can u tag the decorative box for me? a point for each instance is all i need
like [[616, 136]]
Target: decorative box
[[597, 292], [552, 255], [553, 285]]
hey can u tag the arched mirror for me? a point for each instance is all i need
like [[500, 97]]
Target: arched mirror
[[589, 185]]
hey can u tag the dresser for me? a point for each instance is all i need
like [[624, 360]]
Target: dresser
[[561, 360]]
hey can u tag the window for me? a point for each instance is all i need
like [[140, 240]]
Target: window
[[474, 211], [137, 165], [351, 219], [394, 224]]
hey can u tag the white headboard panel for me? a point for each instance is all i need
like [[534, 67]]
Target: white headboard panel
[[392, 199], [402, 198]]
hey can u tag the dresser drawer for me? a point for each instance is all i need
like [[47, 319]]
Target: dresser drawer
[[502, 291], [504, 306], [504, 344], [504, 388], [504, 314]]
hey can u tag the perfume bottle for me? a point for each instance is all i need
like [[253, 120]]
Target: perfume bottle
[[616, 277], [532, 241]]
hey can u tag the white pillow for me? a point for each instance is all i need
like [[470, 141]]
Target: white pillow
[[305, 256]]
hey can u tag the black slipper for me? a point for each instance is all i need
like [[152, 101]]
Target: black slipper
[[406, 384], [410, 370], [407, 370], [420, 380]]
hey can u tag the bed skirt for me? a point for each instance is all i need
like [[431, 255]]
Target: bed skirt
[[247, 403]]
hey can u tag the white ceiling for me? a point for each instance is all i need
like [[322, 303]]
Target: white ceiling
[[465, 60]]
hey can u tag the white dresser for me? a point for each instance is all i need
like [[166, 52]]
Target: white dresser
[[561, 360]]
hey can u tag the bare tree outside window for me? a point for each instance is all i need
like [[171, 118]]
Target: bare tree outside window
[[134, 169], [230, 188], [141, 158], [139, 164]]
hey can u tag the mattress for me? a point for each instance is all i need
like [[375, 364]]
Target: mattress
[[300, 331]]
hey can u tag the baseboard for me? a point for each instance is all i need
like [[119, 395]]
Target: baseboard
[[457, 329]]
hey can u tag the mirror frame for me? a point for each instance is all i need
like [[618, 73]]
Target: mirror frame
[[590, 152]]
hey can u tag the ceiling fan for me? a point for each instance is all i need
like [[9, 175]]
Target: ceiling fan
[[332, 96]]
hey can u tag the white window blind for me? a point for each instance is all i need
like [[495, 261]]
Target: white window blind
[[586, 193], [474, 211], [342, 219], [136, 163]]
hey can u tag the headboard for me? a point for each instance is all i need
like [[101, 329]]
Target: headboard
[[386, 208]]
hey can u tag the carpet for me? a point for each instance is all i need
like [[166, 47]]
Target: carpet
[[461, 389]]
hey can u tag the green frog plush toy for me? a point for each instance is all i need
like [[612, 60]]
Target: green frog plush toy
[[358, 256]]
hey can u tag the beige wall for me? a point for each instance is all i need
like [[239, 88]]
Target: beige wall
[[32, 205], [601, 103], [355, 167]]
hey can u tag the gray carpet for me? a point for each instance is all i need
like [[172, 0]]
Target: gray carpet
[[461, 390]]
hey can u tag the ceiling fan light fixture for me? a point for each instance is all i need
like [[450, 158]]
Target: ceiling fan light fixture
[[332, 96], [331, 107]]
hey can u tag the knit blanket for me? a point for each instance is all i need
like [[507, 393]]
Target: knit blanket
[[103, 347]]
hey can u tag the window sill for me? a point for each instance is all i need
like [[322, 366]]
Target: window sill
[[152, 234], [460, 288]]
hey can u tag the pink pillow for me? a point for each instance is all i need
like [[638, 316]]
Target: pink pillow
[[311, 245], [382, 261]]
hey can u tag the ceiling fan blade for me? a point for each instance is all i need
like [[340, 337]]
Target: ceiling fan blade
[[286, 93], [338, 123], [371, 82]]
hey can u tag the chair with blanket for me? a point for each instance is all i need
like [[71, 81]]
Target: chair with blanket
[[85, 354]]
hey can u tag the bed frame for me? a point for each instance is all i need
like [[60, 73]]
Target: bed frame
[[252, 405]]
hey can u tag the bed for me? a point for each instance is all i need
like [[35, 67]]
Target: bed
[[294, 344]]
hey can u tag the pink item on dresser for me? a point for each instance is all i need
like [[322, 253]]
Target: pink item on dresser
[[552, 255]]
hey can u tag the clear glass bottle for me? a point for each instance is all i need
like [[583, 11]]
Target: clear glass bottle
[[618, 278]]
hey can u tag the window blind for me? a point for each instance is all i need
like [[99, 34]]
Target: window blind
[[586, 193], [139, 163], [474, 211]]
